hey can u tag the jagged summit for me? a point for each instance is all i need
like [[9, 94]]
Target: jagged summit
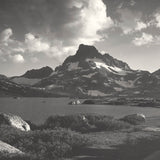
[[85, 51], [87, 57]]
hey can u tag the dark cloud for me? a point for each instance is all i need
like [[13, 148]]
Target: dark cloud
[[60, 25], [147, 7]]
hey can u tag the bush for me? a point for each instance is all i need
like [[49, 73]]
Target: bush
[[110, 125], [85, 123], [44, 144], [73, 122]]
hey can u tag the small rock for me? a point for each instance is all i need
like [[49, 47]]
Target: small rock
[[76, 102]]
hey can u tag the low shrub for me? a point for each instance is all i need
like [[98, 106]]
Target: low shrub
[[110, 125], [73, 122], [44, 144], [85, 123]]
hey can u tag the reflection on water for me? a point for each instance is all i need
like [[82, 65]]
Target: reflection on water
[[38, 109]]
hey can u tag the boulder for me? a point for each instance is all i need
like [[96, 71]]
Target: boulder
[[4, 147], [14, 121], [75, 102], [134, 119]]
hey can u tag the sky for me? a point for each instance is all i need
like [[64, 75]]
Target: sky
[[37, 33]]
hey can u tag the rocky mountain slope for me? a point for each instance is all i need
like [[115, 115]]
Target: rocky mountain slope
[[90, 73], [33, 76], [9, 88]]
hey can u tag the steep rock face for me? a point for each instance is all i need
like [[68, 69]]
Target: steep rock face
[[14, 121], [4, 147]]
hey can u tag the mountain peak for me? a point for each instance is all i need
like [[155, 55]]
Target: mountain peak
[[85, 51]]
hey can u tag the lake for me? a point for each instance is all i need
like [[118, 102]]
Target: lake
[[38, 109]]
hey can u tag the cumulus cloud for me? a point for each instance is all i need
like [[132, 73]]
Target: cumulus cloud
[[18, 58], [93, 18], [140, 25], [80, 22], [34, 44], [88, 19], [19, 50], [131, 21], [5, 35], [9, 48], [132, 3], [34, 59], [143, 40], [157, 18]]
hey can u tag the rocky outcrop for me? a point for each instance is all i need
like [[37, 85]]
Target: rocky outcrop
[[4, 147], [75, 102], [134, 119], [14, 121]]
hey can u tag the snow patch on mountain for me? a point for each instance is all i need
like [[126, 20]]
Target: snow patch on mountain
[[25, 81], [94, 81], [89, 75], [118, 89], [60, 75], [73, 66], [136, 92], [53, 73], [100, 64], [125, 84], [53, 86], [96, 93], [106, 84]]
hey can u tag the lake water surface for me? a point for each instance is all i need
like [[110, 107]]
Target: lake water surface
[[38, 109]]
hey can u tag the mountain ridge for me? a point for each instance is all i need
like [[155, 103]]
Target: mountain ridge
[[89, 73]]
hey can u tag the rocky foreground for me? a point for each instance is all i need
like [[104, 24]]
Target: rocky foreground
[[4, 147], [80, 137]]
